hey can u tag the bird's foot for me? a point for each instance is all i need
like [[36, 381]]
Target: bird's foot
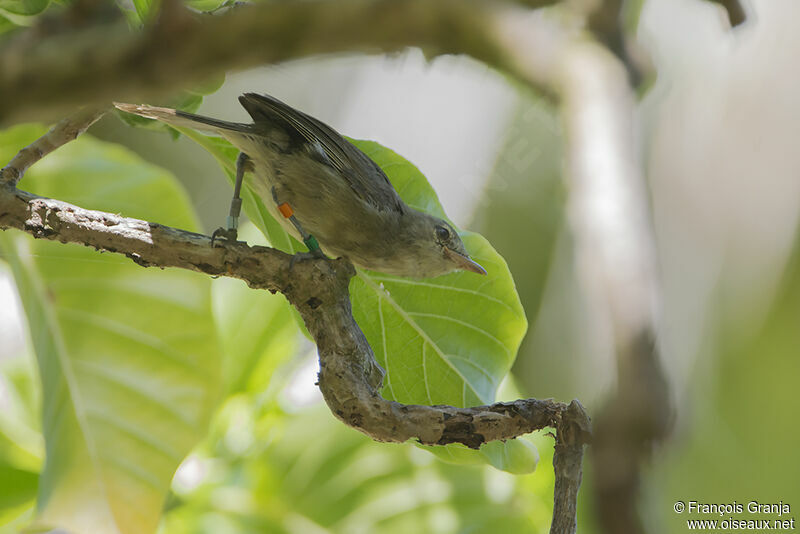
[[315, 254], [226, 234]]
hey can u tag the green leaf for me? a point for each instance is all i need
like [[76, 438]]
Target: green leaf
[[21, 447], [207, 5], [24, 7], [146, 9], [21, 444], [457, 331], [256, 329], [518, 456], [6, 25], [128, 359], [460, 331], [446, 340], [212, 85], [18, 488]]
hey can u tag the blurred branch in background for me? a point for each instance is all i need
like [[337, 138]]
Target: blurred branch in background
[[608, 26], [736, 13], [65, 65], [615, 248]]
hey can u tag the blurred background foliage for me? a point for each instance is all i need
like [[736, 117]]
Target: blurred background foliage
[[719, 132]]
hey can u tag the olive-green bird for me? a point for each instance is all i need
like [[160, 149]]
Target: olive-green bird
[[326, 192]]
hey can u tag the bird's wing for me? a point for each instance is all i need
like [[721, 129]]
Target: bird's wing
[[363, 175]]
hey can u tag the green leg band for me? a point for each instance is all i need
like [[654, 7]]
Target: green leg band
[[311, 243]]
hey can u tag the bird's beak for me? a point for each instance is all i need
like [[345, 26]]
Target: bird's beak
[[464, 262]]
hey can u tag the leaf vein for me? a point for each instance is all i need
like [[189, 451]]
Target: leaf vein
[[124, 381], [420, 331], [464, 324], [137, 336], [447, 288], [135, 432]]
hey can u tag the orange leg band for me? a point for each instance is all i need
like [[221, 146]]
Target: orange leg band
[[286, 210]]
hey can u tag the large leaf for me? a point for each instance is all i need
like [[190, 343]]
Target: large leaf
[[446, 340], [6, 25], [207, 5], [21, 448], [127, 357], [460, 331], [24, 7], [147, 9], [256, 329]]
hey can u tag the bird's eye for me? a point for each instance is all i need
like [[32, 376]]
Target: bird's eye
[[442, 234]]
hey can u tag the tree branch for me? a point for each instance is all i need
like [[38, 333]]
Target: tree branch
[[100, 59], [615, 249], [735, 10], [607, 25], [64, 131], [350, 377]]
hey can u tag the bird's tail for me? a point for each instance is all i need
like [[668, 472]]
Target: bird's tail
[[175, 117]]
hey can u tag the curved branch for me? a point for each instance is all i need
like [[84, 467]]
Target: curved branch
[[349, 374]]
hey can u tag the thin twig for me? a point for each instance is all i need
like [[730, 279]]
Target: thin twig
[[606, 22], [568, 466], [64, 131]]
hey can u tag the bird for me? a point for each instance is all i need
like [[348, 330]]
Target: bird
[[325, 191]]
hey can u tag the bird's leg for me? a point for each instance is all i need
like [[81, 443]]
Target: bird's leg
[[230, 233], [309, 240]]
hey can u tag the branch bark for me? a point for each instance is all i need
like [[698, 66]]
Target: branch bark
[[350, 377]]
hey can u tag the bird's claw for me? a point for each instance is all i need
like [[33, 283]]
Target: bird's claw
[[227, 234], [315, 254]]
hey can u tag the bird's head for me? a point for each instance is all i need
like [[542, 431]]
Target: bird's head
[[434, 247]]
